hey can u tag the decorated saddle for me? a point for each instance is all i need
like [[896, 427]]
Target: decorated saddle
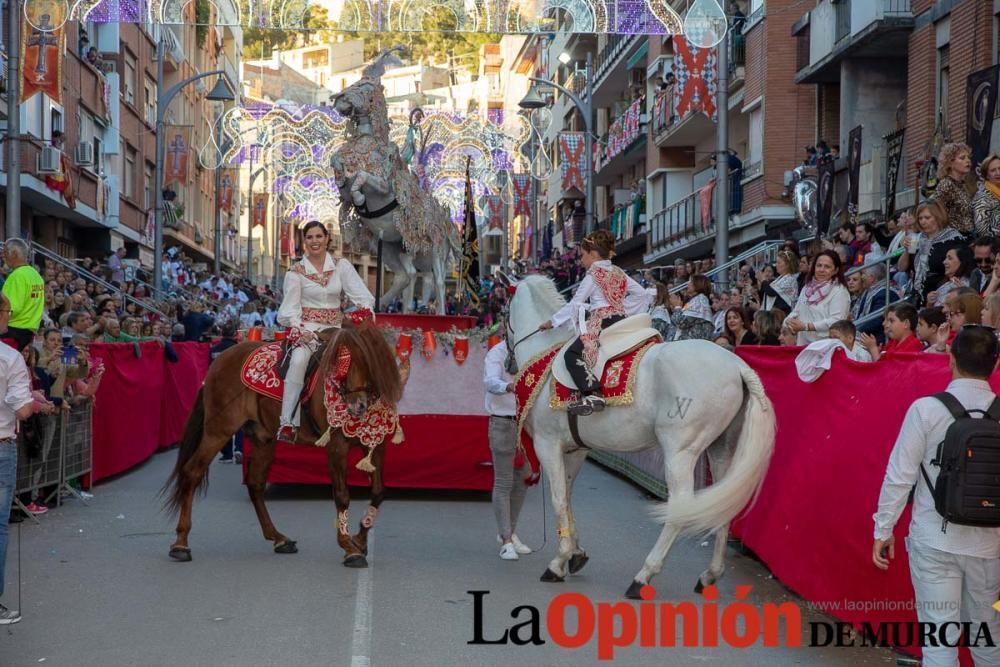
[[618, 376], [616, 342], [261, 373]]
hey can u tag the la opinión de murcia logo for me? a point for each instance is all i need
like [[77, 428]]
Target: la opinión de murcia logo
[[708, 624]]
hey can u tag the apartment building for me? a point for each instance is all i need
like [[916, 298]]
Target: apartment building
[[107, 121], [770, 121], [890, 66], [190, 220]]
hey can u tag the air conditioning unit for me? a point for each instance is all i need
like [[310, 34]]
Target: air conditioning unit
[[85, 155], [49, 160]]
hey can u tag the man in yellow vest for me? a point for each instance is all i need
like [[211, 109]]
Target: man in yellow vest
[[25, 289]]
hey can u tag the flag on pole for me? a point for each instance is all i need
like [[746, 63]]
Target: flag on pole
[[470, 244], [42, 47]]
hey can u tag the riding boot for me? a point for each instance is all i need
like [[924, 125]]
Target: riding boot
[[289, 411]]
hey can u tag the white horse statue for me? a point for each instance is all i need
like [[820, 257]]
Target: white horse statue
[[382, 198], [692, 397]]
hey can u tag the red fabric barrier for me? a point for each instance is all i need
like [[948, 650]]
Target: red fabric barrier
[[812, 524], [442, 323], [181, 382], [440, 452], [142, 403], [127, 406]]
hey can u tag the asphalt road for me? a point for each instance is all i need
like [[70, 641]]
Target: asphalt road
[[98, 589]]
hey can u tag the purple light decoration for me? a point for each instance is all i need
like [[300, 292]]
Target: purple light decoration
[[501, 160], [307, 182], [318, 152], [281, 184], [495, 116]]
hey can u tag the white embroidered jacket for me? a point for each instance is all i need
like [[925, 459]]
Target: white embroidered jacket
[[313, 298]]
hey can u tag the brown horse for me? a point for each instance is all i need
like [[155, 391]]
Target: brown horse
[[224, 406]]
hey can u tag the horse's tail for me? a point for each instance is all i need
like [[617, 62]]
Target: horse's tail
[[190, 441], [711, 508]]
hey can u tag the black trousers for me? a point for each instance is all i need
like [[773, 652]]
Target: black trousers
[[576, 366]]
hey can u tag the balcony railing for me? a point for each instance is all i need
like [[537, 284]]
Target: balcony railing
[[897, 8], [681, 220], [752, 170], [737, 51], [623, 133], [607, 56], [842, 11]]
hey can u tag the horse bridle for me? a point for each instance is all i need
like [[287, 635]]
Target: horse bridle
[[510, 363]]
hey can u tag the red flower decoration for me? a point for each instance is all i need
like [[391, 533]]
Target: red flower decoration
[[361, 315], [511, 289]]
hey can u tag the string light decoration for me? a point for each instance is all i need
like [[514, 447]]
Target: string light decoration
[[630, 17], [299, 140]]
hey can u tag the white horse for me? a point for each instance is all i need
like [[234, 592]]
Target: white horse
[[691, 397]]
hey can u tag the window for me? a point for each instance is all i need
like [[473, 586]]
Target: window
[[57, 120], [128, 173], [92, 132], [130, 83], [150, 102], [943, 80], [755, 141], [148, 199]]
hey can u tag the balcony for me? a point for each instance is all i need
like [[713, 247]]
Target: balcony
[[615, 151], [613, 65], [678, 225], [671, 131], [833, 31]]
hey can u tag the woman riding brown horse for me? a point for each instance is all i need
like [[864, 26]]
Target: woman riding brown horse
[[224, 405]]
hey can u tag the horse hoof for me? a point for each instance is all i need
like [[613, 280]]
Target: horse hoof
[[551, 577], [699, 587], [633, 591], [180, 554], [287, 547], [356, 561], [577, 561]]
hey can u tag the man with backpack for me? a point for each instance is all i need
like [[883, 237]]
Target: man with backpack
[[954, 537]]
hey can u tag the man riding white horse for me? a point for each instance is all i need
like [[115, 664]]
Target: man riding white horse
[[610, 296]]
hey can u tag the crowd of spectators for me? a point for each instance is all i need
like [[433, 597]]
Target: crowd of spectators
[[906, 284]]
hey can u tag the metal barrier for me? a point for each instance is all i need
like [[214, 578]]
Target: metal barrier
[[66, 456]]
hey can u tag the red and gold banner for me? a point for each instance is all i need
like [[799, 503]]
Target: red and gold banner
[[571, 160], [494, 209], [522, 194], [41, 57], [286, 242], [227, 188], [258, 215], [697, 79], [177, 156]]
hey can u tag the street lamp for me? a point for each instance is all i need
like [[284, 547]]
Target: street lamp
[[221, 92], [534, 100]]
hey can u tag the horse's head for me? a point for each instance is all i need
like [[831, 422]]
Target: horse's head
[[535, 299], [355, 100], [363, 368]]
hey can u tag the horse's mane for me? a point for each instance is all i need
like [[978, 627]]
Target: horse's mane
[[545, 292], [378, 361]]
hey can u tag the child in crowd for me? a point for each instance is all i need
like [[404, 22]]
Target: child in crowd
[[846, 333], [900, 325], [929, 323]]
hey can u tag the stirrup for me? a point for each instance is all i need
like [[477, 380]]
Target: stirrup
[[596, 402], [287, 433]]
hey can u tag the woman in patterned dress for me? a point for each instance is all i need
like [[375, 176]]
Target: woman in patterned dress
[[314, 290], [609, 295]]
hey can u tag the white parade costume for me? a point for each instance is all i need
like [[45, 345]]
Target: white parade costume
[[313, 302]]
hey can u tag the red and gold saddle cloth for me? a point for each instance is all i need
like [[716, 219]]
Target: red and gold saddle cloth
[[617, 380], [260, 372], [617, 383]]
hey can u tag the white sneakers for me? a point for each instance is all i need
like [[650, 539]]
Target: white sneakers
[[511, 550], [507, 552]]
